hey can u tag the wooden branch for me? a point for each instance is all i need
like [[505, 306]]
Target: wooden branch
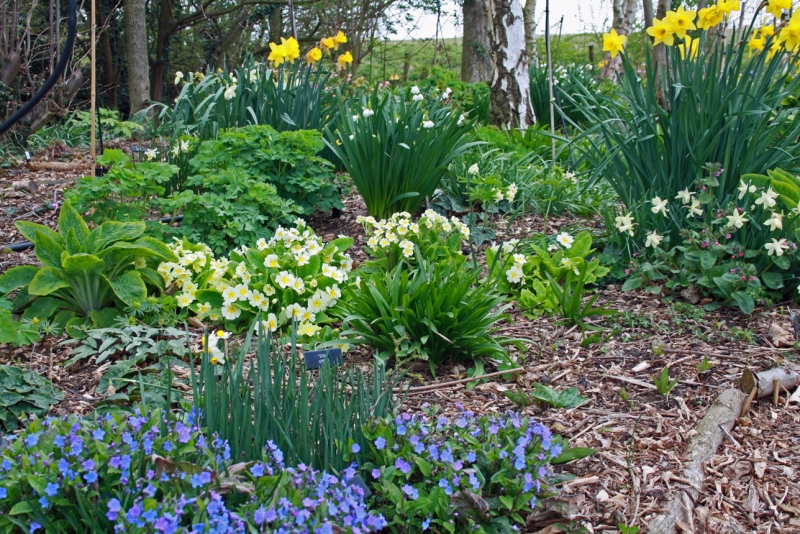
[[764, 382], [456, 382], [711, 430]]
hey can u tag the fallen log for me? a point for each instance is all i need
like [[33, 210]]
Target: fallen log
[[764, 382], [711, 430], [59, 165]]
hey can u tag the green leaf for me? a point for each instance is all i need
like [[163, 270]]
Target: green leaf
[[130, 288], [22, 507], [781, 261], [111, 232], [744, 301], [46, 281], [574, 453], [633, 283], [29, 229], [17, 277], [42, 308], [86, 265], [70, 219], [48, 250], [104, 318], [508, 501], [772, 280], [424, 466]]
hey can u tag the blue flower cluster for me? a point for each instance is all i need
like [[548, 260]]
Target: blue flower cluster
[[146, 473], [427, 463]]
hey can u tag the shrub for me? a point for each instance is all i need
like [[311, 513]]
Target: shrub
[[396, 148], [267, 399], [127, 192], [470, 474], [147, 472], [433, 311], [294, 275], [287, 160], [84, 271]]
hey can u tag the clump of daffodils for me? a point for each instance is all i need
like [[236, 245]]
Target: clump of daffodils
[[292, 278], [401, 234]]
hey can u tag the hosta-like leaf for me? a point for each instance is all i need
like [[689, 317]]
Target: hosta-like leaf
[[46, 281], [29, 229], [42, 308], [130, 288]]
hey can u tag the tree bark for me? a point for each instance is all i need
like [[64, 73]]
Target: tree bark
[[660, 53], [510, 103], [109, 65], [275, 24], [647, 7], [529, 15], [624, 15], [476, 63], [136, 47]]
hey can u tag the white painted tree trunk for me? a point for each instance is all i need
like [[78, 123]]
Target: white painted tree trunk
[[511, 87]]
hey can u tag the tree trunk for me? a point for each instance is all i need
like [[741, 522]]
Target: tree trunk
[[624, 15], [136, 47], [476, 63], [275, 24], [660, 53], [529, 15], [109, 65], [510, 103], [647, 7]]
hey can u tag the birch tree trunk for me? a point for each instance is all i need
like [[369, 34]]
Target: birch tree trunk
[[529, 15], [136, 47], [510, 103], [624, 15], [476, 61]]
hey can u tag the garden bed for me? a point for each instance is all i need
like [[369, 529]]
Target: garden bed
[[640, 435]]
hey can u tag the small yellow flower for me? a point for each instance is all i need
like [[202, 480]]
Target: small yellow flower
[[756, 43], [692, 44], [328, 43], [681, 21], [277, 53], [340, 38], [726, 6], [662, 32], [344, 60], [709, 17]]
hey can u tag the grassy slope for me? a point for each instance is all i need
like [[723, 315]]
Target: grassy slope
[[570, 49]]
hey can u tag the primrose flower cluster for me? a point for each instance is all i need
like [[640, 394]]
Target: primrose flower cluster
[[437, 462], [148, 474], [294, 276], [399, 235]]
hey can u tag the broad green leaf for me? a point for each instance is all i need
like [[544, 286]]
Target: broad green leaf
[[111, 232], [46, 281], [48, 250], [744, 301], [29, 229], [70, 219], [633, 283], [772, 280], [146, 247], [104, 318], [17, 277], [130, 288], [84, 265], [42, 308]]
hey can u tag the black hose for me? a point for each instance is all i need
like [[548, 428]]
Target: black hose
[[25, 245], [61, 66]]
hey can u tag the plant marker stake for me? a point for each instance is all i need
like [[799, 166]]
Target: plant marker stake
[[315, 358], [358, 482]]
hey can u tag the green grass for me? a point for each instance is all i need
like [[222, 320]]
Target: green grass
[[570, 49]]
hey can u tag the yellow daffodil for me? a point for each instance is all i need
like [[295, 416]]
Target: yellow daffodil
[[344, 60], [726, 6], [340, 38], [766, 30], [314, 55], [790, 35], [292, 48], [692, 44], [776, 7], [774, 49], [661, 31], [328, 43], [613, 43], [277, 53], [756, 43], [708, 17], [681, 21]]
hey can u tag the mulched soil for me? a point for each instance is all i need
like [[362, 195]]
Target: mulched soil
[[641, 436]]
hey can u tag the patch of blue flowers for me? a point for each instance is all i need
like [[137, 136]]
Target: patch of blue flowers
[[431, 472], [147, 473]]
